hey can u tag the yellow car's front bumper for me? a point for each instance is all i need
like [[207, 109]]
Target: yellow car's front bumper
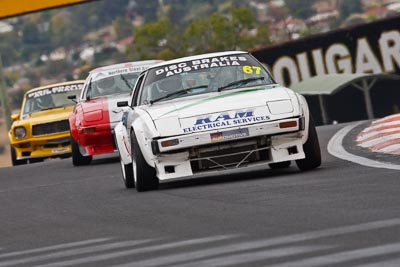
[[43, 146]]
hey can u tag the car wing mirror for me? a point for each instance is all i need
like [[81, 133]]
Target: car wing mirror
[[122, 104], [15, 117], [72, 98]]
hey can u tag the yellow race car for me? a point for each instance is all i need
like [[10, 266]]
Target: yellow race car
[[41, 129]]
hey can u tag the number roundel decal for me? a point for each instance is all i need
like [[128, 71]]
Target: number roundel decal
[[251, 69]]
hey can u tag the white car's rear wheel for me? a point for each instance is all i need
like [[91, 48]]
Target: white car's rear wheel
[[311, 150], [144, 175]]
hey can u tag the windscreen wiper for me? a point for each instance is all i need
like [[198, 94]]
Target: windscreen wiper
[[126, 82], [177, 93], [244, 81]]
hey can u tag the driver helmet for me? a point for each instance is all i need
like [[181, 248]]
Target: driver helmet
[[171, 84], [105, 85], [45, 101]]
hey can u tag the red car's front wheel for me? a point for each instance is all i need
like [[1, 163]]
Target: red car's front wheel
[[77, 158]]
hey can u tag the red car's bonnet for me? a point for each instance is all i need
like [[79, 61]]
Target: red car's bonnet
[[93, 109]]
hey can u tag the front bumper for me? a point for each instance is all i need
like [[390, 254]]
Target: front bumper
[[97, 140], [43, 146], [233, 148]]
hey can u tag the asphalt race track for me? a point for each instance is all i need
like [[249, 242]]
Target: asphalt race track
[[342, 214]]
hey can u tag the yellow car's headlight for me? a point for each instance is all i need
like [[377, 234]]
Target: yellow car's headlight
[[20, 132]]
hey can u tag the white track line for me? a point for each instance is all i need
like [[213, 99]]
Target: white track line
[[248, 257], [122, 249], [345, 256], [388, 263], [55, 247], [336, 149], [144, 249], [175, 259], [73, 252]]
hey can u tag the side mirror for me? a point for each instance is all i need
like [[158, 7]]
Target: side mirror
[[15, 117], [72, 98], [122, 104]]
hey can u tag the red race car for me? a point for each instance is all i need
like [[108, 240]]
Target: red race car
[[96, 113]]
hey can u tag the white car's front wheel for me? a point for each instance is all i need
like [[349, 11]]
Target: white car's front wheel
[[311, 149], [126, 169], [144, 175], [127, 174]]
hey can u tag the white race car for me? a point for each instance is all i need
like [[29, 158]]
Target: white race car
[[210, 113]]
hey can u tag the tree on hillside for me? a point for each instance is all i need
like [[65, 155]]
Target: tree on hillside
[[242, 20], [152, 38], [348, 7], [198, 36], [262, 37], [96, 14], [65, 32], [9, 47], [219, 32], [109, 10], [301, 8], [34, 42], [123, 27], [30, 33], [215, 33], [148, 9]]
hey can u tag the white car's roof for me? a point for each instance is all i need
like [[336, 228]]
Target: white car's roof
[[121, 68], [125, 65], [196, 57]]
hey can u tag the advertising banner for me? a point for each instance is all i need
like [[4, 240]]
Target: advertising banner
[[367, 48]]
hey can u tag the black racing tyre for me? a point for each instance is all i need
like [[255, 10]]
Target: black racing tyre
[[127, 171], [144, 175], [280, 165], [311, 149], [127, 174], [14, 159], [77, 158]]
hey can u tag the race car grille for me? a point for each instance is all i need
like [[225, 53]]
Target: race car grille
[[228, 155], [57, 143], [50, 128]]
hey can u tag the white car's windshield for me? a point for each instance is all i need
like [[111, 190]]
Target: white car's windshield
[[203, 76], [51, 97]]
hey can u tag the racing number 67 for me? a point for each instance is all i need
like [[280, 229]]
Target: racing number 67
[[251, 70]]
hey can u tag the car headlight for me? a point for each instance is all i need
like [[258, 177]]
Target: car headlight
[[20, 132], [280, 106]]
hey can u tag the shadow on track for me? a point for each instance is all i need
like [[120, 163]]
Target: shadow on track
[[234, 177]]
